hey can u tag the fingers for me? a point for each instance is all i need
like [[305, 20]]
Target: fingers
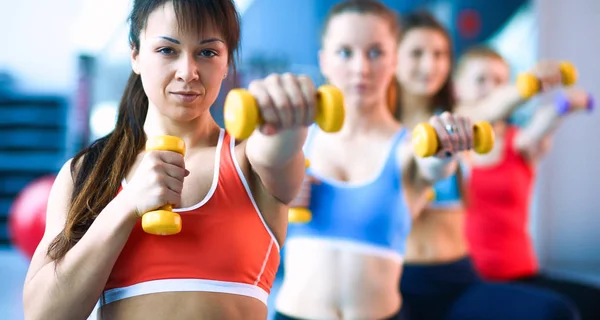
[[282, 101], [465, 129], [439, 123], [455, 133], [548, 73], [285, 101], [267, 107], [171, 192], [577, 97]]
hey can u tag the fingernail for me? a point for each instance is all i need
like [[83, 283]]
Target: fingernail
[[187, 172]]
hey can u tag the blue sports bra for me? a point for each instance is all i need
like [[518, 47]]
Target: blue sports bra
[[371, 217], [447, 191]]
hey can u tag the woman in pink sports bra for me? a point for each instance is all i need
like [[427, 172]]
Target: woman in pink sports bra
[[232, 196]]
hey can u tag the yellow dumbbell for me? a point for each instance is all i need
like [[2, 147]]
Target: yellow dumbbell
[[242, 115], [300, 214], [426, 143], [430, 194], [529, 85], [163, 221]]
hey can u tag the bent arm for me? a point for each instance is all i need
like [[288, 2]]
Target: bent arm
[[70, 289]]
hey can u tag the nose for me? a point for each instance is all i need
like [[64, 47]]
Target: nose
[[361, 64], [187, 69], [427, 63]]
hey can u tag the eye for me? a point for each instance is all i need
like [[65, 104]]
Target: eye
[[166, 51], [374, 53], [416, 53], [208, 53], [344, 53]]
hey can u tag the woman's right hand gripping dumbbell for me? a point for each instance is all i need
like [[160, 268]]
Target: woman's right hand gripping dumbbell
[[447, 134], [157, 181]]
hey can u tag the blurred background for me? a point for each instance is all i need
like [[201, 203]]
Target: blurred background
[[64, 64]]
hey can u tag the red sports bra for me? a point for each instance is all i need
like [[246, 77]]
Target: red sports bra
[[225, 245]]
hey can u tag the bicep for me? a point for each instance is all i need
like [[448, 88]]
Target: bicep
[[56, 213]]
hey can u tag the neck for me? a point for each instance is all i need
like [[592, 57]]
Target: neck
[[360, 119], [415, 108], [198, 132]]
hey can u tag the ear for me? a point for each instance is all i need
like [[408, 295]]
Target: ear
[[135, 54]]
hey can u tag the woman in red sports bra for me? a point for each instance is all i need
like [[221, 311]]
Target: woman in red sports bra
[[500, 183], [232, 196]]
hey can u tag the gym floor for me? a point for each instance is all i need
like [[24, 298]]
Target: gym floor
[[13, 268]]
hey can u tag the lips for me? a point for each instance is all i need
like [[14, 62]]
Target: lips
[[186, 96]]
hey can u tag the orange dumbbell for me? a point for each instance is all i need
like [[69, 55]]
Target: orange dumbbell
[[529, 85], [163, 221], [426, 142], [242, 114]]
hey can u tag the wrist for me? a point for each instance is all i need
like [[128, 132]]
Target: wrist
[[127, 208]]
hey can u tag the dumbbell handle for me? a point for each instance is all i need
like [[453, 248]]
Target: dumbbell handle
[[529, 85], [242, 114], [163, 221], [426, 141]]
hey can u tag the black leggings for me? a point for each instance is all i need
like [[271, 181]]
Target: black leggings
[[454, 291], [281, 316], [586, 298]]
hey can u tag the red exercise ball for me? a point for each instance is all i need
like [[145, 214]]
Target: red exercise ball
[[27, 216]]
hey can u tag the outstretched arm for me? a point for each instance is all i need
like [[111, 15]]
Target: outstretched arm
[[499, 104], [533, 141], [287, 105]]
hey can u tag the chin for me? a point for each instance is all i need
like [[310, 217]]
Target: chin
[[185, 113]]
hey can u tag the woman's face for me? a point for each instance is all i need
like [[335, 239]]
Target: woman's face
[[479, 76], [181, 72], [359, 57], [423, 61]]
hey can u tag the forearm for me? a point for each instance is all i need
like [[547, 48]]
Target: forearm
[[71, 288], [544, 121], [434, 169], [275, 151], [497, 106]]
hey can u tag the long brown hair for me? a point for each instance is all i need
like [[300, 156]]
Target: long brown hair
[[444, 99], [99, 169]]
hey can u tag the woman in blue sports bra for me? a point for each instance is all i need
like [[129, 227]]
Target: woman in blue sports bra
[[345, 262], [439, 281]]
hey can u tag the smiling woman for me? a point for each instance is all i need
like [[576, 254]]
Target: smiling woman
[[232, 195]]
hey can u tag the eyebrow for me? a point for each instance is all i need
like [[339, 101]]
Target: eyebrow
[[205, 41]]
